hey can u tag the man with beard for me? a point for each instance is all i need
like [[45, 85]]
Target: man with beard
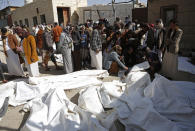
[[28, 46], [10, 46]]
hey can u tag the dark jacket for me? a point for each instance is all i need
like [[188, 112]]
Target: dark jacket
[[76, 39], [150, 39]]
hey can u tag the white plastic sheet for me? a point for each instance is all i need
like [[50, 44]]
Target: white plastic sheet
[[70, 81], [6, 90], [141, 105], [185, 65], [56, 113], [188, 89], [137, 81], [170, 102], [90, 101], [21, 92], [135, 111], [140, 67]]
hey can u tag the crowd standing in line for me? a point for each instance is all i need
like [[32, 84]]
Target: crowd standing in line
[[93, 45]]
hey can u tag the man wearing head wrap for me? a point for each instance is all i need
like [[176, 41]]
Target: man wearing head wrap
[[171, 47], [29, 48], [57, 30], [10, 46], [76, 37], [48, 51], [66, 45]]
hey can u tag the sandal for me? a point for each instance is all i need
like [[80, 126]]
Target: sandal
[[4, 81], [47, 69]]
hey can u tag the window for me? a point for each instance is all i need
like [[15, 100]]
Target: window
[[26, 22], [43, 19], [35, 22], [168, 13], [37, 9], [15, 23], [21, 23]]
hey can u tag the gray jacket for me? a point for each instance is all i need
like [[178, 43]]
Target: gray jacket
[[113, 56], [47, 40], [172, 40], [66, 41]]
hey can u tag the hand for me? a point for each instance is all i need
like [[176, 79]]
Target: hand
[[32, 59], [126, 68], [18, 49], [121, 57]]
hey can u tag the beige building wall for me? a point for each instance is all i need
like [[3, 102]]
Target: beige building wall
[[105, 11], [72, 4], [47, 7], [185, 16], [30, 10]]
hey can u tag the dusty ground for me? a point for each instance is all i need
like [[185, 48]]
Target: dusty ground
[[15, 117]]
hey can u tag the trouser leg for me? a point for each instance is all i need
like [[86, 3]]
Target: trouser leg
[[1, 73]]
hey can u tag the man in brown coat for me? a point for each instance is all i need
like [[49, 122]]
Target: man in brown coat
[[40, 41], [57, 30], [11, 50], [29, 49]]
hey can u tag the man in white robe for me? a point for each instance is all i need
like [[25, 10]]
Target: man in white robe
[[10, 45], [96, 47]]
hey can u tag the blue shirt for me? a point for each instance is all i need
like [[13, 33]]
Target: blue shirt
[[84, 40]]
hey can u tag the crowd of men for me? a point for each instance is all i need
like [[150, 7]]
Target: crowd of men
[[93, 45]]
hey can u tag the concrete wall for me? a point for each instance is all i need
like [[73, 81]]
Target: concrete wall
[[30, 10], [72, 4], [141, 14], [3, 23], [185, 16], [47, 7], [106, 11]]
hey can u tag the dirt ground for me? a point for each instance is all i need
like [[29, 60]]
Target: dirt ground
[[15, 118]]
